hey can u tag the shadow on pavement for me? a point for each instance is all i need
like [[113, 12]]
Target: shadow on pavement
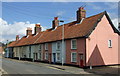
[[110, 70]]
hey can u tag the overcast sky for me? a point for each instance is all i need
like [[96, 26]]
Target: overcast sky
[[16, 16]]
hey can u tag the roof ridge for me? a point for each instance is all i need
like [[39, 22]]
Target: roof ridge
[[96, 14]]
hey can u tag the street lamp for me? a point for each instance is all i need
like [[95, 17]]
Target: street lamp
[[62, 42], [7, 52]]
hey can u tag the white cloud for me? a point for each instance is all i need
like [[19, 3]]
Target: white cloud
[[114, 19], [96, 7], [115, 22], [9, 31], [111, 5]]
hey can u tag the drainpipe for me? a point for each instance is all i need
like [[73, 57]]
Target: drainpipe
[[89, 56], [7, 49], [19, 54], [62, 43], [33, 57]]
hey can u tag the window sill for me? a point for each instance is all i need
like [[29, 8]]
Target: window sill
[[58, 61], [73, 48], [46, 59], [73, 61]]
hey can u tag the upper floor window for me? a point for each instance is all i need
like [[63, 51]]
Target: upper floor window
[[46, 46], [58, 45], [40, 47], [110, 43], [73, 44]]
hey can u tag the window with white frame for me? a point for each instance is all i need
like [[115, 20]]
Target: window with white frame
[[40, 47], [73, 44], [110, 43], [73, 57], [58, 45], [58, 56], [46, 46], [46, 55]]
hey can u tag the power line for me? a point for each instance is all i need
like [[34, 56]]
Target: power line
[[26, 14], [24, 11], [20, 11]]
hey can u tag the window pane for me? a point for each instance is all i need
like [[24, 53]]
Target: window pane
[[58, 45], [74, 57], [74, 45], [46, 55], [109, 43], [58, 56]]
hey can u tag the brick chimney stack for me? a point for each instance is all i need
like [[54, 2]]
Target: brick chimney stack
[[81, 13], [55, 22], [29, 31], [17, 37], [37, 28]]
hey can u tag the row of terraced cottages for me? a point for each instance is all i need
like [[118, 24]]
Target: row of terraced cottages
[[87, 41]]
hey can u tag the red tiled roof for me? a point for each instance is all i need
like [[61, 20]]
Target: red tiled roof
[[12, 44], [71, 30]]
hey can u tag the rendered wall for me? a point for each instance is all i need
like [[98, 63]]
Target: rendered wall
[[97, 50]]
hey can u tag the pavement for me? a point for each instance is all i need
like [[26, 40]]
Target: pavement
[[75, 70]]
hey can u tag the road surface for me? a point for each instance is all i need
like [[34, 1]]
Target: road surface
[[23, 67]]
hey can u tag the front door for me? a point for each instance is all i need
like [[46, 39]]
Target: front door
[[54, 58], [35, 56], [81, 60]]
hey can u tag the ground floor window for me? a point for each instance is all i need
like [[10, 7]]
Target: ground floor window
[[58, 56], [73, 57], [46, 55]]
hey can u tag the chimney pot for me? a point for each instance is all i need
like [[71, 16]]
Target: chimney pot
[[55, 18], [37, 25], [17, 37]]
